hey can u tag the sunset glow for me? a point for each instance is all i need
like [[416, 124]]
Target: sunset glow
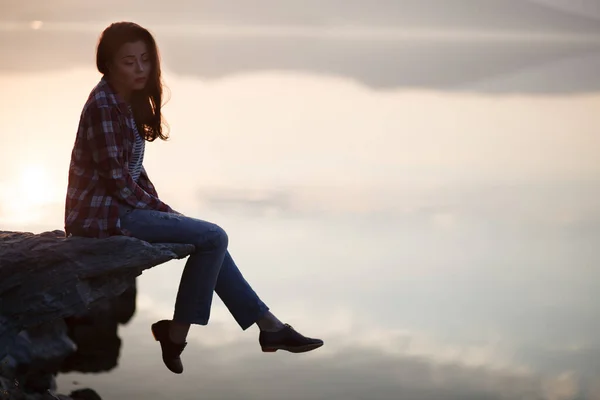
[[27, 193]]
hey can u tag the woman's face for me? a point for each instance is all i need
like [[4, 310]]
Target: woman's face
[[131, 67]]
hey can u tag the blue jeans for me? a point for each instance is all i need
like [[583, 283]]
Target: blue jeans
[[210, 268]]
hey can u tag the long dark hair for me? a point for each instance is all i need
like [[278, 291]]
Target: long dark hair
[[146, 104]]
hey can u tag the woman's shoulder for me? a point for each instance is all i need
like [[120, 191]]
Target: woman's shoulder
[[102, 109], [102, 96]]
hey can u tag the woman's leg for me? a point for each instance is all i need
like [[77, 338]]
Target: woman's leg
[[238, 296], [210, 268]]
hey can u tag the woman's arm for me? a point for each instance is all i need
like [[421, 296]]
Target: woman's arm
[[105, 141], [145, 183]]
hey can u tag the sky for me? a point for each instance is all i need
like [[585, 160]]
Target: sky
[[527, 15], [415, 181], [461, 42]]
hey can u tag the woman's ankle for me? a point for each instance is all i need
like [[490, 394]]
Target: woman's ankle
[[269, 323], [178, 331]]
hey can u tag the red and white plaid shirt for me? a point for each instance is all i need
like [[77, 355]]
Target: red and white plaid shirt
[[99, 178]]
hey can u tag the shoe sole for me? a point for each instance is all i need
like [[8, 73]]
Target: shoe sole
[[292, 349]]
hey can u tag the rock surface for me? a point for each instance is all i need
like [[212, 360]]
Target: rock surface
[[51, 288], [96, 335]]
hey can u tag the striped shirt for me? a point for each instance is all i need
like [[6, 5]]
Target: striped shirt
[[137, 158]]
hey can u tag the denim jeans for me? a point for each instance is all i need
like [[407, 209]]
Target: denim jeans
[[210, 268]]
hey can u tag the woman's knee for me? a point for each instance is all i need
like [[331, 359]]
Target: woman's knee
[[223, 237], [214, 237]]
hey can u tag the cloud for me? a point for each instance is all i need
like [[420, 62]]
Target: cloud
[[587, 8], [521, 15], [450, 47], [565, 206], [252, 202], [492, 66], [236, 369]]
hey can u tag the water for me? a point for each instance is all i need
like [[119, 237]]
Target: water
[[426, 206]]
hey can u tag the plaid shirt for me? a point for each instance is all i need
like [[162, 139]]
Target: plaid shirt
[[99, 179]]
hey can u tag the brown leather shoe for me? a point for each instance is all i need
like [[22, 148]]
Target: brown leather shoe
[[171, 351], [287, 339]]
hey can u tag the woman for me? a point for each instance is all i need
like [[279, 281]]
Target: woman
[[109, 193]]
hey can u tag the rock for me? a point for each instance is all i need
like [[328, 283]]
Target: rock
[[96, 335], [84, 394], [6, 388], [45, 346], [9, 390], [35, 356], [57, 293], [47, 276]]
